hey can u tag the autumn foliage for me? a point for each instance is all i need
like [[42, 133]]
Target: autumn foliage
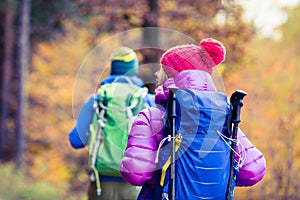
[[266, 69]]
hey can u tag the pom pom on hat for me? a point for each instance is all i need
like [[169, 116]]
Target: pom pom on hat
[[215, 49], [205, 57]]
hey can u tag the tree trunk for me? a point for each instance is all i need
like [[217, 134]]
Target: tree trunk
[[8, 55], [23, 59], [150, 37]]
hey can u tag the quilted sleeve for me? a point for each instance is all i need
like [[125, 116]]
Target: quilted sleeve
[[138, 163], [254, 166]]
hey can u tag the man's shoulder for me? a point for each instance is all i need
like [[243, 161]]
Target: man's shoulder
[[122, 78]]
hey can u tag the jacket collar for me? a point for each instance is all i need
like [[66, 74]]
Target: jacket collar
[[188, 79]]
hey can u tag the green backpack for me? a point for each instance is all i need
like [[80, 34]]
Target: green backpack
[[115, 110]]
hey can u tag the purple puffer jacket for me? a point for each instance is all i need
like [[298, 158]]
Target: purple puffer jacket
[[139, 164]]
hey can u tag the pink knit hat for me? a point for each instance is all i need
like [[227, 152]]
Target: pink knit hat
[[205, 57]]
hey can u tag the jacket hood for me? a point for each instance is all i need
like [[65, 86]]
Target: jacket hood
[[188, 79]]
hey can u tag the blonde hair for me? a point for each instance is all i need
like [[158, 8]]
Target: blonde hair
[[161, 76]]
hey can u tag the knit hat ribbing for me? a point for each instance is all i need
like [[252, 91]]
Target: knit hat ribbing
[[205, 57]]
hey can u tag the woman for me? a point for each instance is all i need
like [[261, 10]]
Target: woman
[[184, 67]]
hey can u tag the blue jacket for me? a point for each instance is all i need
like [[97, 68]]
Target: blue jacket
[[78, 136]]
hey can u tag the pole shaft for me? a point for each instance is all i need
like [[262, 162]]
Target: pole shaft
[[172, 120]]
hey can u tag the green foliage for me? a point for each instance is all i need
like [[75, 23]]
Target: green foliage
[[14, 186], [291, 28]]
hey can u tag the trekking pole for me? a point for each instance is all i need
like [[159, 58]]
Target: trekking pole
[[172, 122], [236, 103]]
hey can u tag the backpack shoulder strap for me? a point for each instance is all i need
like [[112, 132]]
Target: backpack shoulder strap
[[96, 130], [126, 78]]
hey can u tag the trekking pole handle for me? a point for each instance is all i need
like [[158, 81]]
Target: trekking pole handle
[[172, 116], [236, 102], [172, 104]]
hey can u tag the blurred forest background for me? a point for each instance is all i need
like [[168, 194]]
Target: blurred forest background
[[43, 43]]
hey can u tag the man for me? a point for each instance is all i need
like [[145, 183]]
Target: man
[[124, 68]]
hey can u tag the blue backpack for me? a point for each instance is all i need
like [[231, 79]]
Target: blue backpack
[[202, 150]]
